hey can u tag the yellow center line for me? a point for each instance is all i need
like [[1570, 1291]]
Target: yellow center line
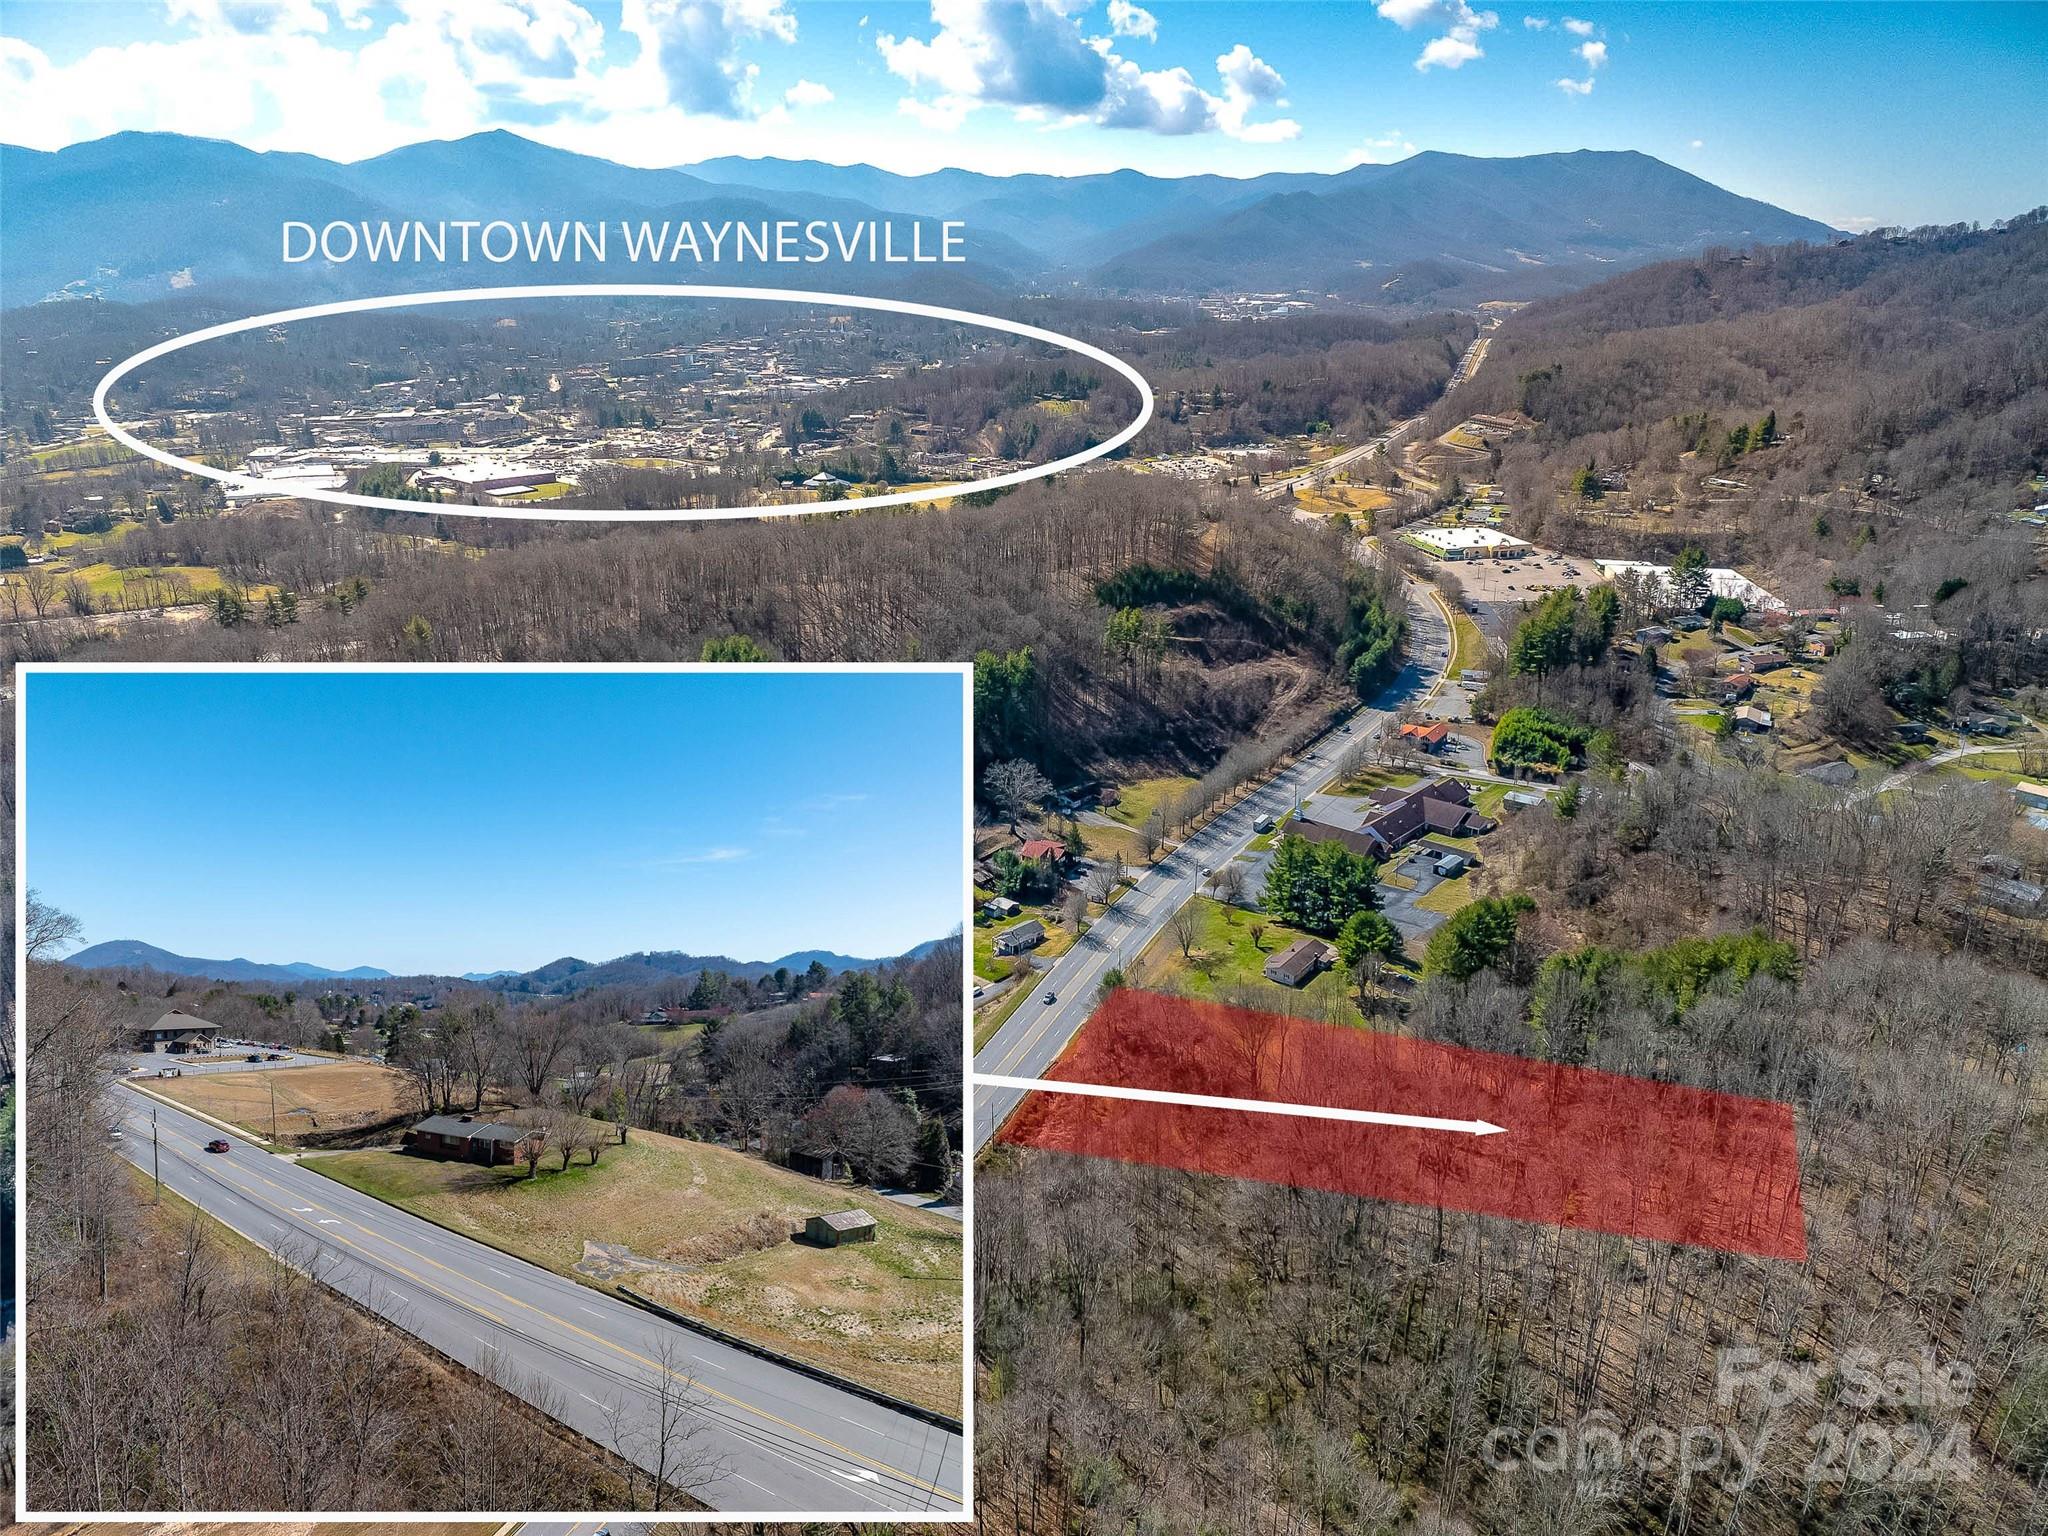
[[598, 1339]]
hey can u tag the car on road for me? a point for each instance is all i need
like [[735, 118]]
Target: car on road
[[276, 1056], [114, 1134], [1052, 997], [253, 1056], [218, 1144]]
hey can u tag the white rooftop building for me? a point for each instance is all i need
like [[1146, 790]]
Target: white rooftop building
[[1722, 581], [1469, 543]]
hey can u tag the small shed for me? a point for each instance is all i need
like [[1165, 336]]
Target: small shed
[[837, 1228]]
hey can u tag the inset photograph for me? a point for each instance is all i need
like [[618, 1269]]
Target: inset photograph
[[529, 1091]]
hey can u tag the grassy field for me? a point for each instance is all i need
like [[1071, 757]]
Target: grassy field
[[1137, 800], [887, 1313], [1468, 647], [1447, 896], [990, 966], [1225, 959], [345, 1095], [114, 586], [1370, 779]]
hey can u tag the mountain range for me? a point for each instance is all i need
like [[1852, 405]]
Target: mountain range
[[127, 954], [146, 215], [556, 978]]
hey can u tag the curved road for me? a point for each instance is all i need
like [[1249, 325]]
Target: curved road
[[1038, 1031], [775, 1441]]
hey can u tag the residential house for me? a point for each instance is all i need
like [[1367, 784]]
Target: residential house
[[2031, 795], [1820, 647], [1043, 850], [837, 1228], [1981, 724], [464, 1138], [1000, 907], [1430, 736], [1014, 940], [179, 1034], [1752, 717], [1739, 687], [1298, 962]]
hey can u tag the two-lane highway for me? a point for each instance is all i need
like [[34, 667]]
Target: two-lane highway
[[771, 1439], [1033, 1036]]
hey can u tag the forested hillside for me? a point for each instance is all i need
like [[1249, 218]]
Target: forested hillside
[[1254, 641], [1919, 357]]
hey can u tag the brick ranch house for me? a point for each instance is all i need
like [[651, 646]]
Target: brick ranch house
[[464, 1138]]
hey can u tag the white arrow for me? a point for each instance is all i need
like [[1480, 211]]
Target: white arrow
[[1255, 1106]]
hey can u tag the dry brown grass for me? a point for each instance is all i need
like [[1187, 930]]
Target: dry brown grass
[[344, 1096], [888, 1313]]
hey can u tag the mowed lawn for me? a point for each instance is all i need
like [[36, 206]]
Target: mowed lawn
[[335, 1097], [887, 1313], [1226, 963]]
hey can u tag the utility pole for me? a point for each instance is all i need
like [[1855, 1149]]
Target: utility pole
[[271, 1079], [156, 1167]]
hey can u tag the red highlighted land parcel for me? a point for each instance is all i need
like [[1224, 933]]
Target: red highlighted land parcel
[[1582, 1148]]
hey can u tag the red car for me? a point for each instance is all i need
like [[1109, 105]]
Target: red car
[[218, 1144]]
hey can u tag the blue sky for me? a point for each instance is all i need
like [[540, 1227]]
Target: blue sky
[[455, 822], [1856, 114]]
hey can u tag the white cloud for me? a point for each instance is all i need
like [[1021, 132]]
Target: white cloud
[[250, 18], [1578, 28], [1699, 144], [1576, 87], [807, 93], [1535, 23], [1128, 20], [707, 856], [1595, 54], [1384, 150], [1456, 21], [695, 48], [1034, 60]]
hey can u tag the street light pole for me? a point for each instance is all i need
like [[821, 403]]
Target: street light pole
[[156, 1167]]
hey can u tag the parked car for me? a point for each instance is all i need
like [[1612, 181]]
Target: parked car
[[218, 1144], [114, 1134]]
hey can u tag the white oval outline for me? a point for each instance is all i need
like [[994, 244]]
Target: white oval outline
[[626, 290]]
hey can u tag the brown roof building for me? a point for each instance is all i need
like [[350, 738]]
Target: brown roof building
[[1440, 805], [1295, 964]]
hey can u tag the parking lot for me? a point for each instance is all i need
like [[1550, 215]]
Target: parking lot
[[228, 1059], [1493, 582], [1401, 906]]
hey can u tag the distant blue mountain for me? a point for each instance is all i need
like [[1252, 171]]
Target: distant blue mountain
[[120, 954], [146, 215], [558, 977]]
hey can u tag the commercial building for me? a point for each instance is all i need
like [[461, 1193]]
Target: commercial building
[[1468, 543]]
